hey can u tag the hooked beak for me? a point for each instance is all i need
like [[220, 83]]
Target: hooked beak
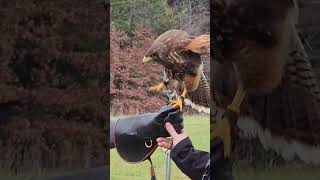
[[147, 58]]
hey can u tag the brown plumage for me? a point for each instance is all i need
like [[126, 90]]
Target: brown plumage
[[257, 41], [180, 53]]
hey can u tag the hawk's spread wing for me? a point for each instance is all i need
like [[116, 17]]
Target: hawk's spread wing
[[200, 45], [200, 98]]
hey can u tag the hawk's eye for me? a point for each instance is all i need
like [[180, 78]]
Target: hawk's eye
[[223, 40], [220, 45], [262, 36], [155, 56], [219, 38], [268, 39]]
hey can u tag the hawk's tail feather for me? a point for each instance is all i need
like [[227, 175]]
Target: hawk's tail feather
[[199, 108], [288, 148]]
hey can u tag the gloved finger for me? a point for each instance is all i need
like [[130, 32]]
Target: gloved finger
[[171, 130]]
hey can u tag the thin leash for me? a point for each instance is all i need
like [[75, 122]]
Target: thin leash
[[168, 163]]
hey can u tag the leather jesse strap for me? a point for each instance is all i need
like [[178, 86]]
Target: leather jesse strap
[[135, 137]]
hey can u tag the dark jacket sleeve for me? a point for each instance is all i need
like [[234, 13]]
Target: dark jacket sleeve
[[190, 161]]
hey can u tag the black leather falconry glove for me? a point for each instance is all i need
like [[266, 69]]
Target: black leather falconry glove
[[135, 137]]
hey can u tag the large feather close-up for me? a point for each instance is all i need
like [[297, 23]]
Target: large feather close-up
[[273, 87]]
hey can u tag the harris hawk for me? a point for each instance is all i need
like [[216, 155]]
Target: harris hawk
[[276, 93], [180, 55]]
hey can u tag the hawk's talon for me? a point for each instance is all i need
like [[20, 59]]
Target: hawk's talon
[[158, 87], [177, 103], [234, 108]]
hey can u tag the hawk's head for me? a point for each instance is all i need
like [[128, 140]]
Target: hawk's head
[[242, 25], [165, 43]]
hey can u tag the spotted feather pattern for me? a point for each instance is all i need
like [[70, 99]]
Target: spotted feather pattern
[[299, 71], [201, 96]]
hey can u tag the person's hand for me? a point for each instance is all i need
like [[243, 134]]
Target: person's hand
[[169, 143]]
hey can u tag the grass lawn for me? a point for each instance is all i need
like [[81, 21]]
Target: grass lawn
[[197, 127]]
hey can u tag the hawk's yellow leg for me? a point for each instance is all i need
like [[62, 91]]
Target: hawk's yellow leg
[[223, 129], [158, 87], [179, 101], [237, 100]]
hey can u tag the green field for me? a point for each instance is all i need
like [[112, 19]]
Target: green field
[[197, 127]]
